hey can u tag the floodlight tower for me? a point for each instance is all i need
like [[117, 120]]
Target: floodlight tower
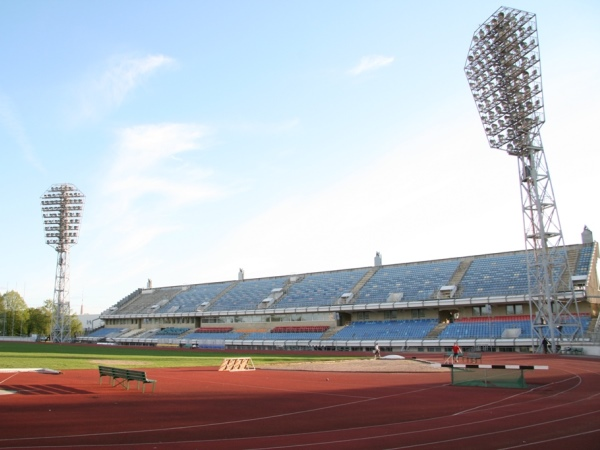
[[504, 73], [62, 207]]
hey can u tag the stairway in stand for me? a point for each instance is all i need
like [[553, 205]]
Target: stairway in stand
[[433, 334]]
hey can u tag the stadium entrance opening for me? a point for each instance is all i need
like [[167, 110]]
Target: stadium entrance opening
[[448, 316], [343, 319]]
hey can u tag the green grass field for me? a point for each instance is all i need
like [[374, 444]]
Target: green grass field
[[26, 355]]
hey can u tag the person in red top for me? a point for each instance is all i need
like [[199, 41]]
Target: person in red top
[[455, 352]]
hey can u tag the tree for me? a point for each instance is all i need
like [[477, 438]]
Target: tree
[[40, 319], [2, 316], [76, 326], [14, 314]]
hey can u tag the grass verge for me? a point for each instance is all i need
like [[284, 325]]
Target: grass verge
[[24, 355]]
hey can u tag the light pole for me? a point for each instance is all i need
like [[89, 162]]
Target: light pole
[[62, 208], [504, 73]]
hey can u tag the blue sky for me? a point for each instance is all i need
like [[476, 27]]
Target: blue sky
[[280, 137]]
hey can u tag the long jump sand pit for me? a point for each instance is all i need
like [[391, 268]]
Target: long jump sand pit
[[362, 365]]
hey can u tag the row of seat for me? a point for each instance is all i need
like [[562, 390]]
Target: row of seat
[[496, 275], [414, 281], [487, 275], [246, 294], [189, 300], [584, 261], [301, 329], [390, 329], [491, 329], [214, 330], [321, 289], [283, 336], [171, 332], [498, 327], [517, 326], [495, 318]]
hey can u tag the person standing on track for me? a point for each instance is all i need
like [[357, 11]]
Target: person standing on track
[[456, 351], [377, 351]]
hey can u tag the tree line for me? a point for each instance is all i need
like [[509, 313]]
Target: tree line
[[17, 319]]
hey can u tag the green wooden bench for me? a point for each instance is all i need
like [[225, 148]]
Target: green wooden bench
[[124, 376], [572, 351], [473, 357]]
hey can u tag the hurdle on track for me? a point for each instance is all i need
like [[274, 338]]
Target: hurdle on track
[[490, 375], [236, 365]]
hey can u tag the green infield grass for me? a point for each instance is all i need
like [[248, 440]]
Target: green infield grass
[[28, 355]]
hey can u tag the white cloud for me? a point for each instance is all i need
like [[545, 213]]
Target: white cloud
[[142, 147], [148, 161], [121, 75], [124, 74], [372, 62], [150, 182]]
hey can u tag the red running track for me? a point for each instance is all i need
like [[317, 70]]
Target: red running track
[[202, 408]]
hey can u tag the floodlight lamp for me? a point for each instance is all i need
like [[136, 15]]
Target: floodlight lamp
[[503, 71], [61, 210]]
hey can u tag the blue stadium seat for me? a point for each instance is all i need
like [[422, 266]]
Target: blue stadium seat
[[386, 330], [321, 289], [247, 295], [497, 275], [283, 336], [189, 300], [415, 281]]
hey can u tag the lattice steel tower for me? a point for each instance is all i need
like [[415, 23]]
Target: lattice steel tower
[[62, 208], [504, 73]]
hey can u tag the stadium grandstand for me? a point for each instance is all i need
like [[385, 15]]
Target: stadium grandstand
[[480, 301]]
